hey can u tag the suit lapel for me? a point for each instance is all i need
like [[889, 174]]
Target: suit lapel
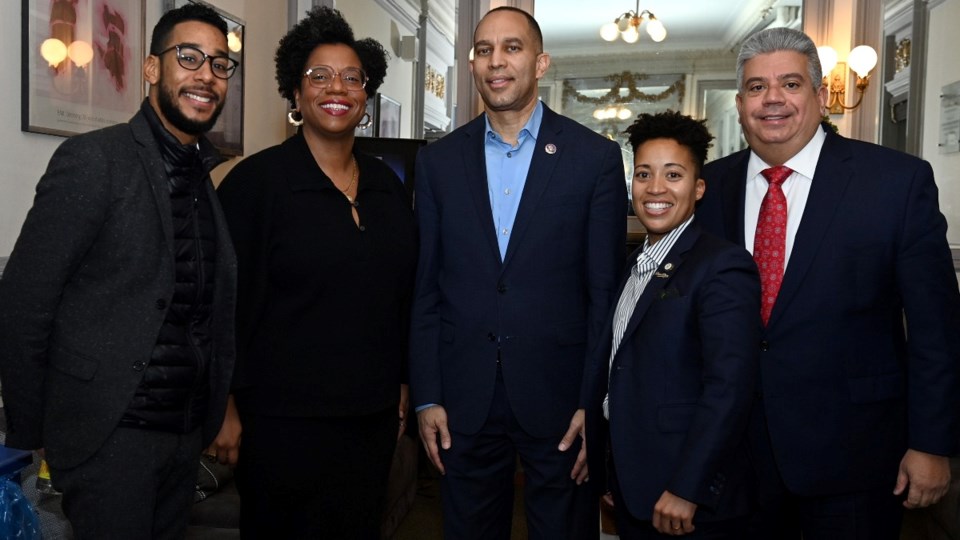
[[733, 190], [475, 166], [671, 263], [542, 165], [154, 172], [831, 178]]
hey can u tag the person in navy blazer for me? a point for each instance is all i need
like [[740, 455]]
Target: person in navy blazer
[[684, 366], [858, 403], [501, 329]]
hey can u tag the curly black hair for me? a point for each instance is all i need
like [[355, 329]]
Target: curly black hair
[[672, 125], [187, 12], [322, 26]]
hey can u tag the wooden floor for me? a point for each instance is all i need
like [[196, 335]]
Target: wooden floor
[[425, 520]]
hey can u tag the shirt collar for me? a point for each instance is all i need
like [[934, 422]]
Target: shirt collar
[[658, 252], [531, 128], [803, 163]]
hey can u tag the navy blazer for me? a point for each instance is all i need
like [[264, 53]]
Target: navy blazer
[[682, 382], [845, 392], [543, 305], [87, 288]]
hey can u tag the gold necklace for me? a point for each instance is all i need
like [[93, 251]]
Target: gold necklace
[[353, 180]]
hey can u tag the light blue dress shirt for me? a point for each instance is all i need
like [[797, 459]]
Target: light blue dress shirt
[[507, 168]]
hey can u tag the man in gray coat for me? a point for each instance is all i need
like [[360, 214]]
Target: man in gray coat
[[116, 325]]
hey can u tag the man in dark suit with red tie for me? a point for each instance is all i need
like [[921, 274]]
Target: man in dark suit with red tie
[[857, 409]]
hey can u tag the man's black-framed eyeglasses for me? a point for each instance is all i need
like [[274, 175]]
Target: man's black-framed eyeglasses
[[192, 58]]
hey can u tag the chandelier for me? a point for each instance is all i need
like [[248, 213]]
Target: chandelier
[[627, 26], [613, 113]]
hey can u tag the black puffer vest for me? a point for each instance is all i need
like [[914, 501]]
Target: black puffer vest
[[172, 396]]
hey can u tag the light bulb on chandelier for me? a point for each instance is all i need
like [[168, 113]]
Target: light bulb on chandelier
[[627, 26]]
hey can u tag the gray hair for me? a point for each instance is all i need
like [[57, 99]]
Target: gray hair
[[780, 39]]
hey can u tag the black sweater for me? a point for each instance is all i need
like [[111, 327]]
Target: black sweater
[[323, 304]]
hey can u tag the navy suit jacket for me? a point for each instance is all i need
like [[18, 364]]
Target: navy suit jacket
[[542, 307], [682, 382], [845, 391]]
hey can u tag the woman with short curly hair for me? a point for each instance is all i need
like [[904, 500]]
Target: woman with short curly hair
[[326, 249]]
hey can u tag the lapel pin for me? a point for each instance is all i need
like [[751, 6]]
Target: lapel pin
[[661, 275], [668, 266], [551, 148]]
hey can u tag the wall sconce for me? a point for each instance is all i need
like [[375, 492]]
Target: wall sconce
[[861, 59], [235, 39], [54, 52]]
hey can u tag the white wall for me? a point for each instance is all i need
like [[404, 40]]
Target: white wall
[[943, 67], [23, 156], [370, 20]]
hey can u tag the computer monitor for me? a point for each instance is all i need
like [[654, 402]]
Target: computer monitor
[[398, 154]]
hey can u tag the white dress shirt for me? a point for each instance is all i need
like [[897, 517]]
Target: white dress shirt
[[796, 188]]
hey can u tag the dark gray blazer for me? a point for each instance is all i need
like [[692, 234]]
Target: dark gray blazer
[[86, 289]]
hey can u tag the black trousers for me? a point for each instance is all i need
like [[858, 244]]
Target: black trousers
[[140, 484], [477, 489], [315, 478], [871, 514]]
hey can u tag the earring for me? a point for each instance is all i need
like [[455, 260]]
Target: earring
[[366, 123], [295, 118]]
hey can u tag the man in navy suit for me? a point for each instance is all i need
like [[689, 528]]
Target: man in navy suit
[[857, 409], [680, 354], [522, 223]]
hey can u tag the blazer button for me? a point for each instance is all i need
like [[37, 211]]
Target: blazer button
[[491, 336], [139, 365], [161, 304], [501, 288], [764, 346], [715, 490]]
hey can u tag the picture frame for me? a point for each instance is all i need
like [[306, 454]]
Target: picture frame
[[81, 64], [387, 117], [227, 134]]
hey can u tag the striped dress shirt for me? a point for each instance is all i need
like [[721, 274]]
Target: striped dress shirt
[[651, 257]]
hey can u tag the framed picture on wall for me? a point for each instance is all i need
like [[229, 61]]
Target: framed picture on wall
[[227, 133], [82, 64], [387, 117]]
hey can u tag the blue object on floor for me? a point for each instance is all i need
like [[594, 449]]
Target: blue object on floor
[[17, 518], [12, 460]]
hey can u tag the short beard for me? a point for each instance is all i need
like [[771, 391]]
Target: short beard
[[167, 100]]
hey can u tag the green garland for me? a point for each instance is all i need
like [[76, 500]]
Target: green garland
[[618, 81]]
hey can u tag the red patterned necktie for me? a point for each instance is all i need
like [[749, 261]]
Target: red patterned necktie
[[769, 244]]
